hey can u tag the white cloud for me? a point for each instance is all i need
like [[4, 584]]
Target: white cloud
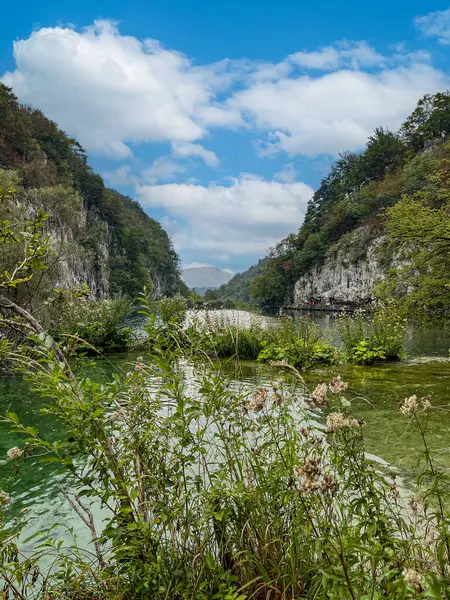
[[162, 169], [120, 176], [112, 90], [435, 24], [196, 265], [245, 217], [186, 149], [347, 54], [287, 174], [336, 111], [109, 89]]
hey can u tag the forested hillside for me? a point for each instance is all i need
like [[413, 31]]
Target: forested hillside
[[413, 163], [239, 286], [99, 237]]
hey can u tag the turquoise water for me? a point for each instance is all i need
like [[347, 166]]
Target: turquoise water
[[376, 393]]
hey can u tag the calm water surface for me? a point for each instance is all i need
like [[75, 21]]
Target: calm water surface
[[376, 393]]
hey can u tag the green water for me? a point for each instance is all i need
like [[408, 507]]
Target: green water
[[376, 393]]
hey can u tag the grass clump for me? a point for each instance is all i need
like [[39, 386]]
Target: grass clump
[[300, 344], [220, 335], [379, 338]]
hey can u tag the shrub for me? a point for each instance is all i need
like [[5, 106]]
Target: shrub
[[99, 323], [222, 494], [300, 344], [366, 340]]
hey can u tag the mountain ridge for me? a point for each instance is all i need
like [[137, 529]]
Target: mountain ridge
[[205, 277]]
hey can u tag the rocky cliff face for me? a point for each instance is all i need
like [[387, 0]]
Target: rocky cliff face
[[346, 277]]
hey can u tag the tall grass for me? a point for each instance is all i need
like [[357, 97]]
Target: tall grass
[[367, 338], [218, 494]]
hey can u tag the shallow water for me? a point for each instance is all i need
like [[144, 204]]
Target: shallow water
[[376, 393]]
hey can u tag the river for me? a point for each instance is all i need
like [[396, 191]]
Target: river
[[376, 393]]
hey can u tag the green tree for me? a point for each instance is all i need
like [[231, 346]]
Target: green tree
[[385, 151], [430, 120], [420, 235]]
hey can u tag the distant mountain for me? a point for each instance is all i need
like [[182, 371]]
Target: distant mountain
[[205, 277]]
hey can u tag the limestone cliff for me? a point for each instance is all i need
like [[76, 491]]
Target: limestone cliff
[[348, 274]]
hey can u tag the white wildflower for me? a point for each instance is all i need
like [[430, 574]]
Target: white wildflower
[[410, 406], [119, 415], [413, 578], [257, 400], [14, 453], [345, 403], [426, 402], [319, 395], [309, 474], [5, 498], [338, 421], [337, 386]]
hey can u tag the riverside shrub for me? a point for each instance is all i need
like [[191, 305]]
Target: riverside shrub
[[221, 493]]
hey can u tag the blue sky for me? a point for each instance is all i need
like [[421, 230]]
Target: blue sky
[[221, 118]]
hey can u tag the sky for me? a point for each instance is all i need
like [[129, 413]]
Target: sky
[[222, 118]]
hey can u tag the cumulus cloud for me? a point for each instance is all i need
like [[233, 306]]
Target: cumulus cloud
[[186, 149], [162, 169], [120, 176], [109, 89], [345, 54], [287, 173], [336, 111], [245, 217], [112, 91], [435, 24]]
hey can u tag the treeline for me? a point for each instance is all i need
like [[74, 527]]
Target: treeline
[[49, 170], [359, 190]]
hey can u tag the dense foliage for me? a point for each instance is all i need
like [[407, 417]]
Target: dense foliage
[[419, 233], [298, 343], [209, 492], [357, 192], [220, 494], [239, 286], [123, 248], [79, 321]]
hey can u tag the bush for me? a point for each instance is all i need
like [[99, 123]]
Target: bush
[[299, 344], [367, 340], [221, 494], [99, 323]]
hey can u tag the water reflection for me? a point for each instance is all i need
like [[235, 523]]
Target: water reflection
[[376, 393]]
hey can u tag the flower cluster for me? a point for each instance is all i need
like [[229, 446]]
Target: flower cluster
[[311, 479], [338, 421], [257, 400], [14, 453], [413, 578], [319, 395], [337, 386], [5, 498], [119, 415], [411, 405], [309, 474]]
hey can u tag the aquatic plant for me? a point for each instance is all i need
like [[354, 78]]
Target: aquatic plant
[[367, 338], [222, 493]]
